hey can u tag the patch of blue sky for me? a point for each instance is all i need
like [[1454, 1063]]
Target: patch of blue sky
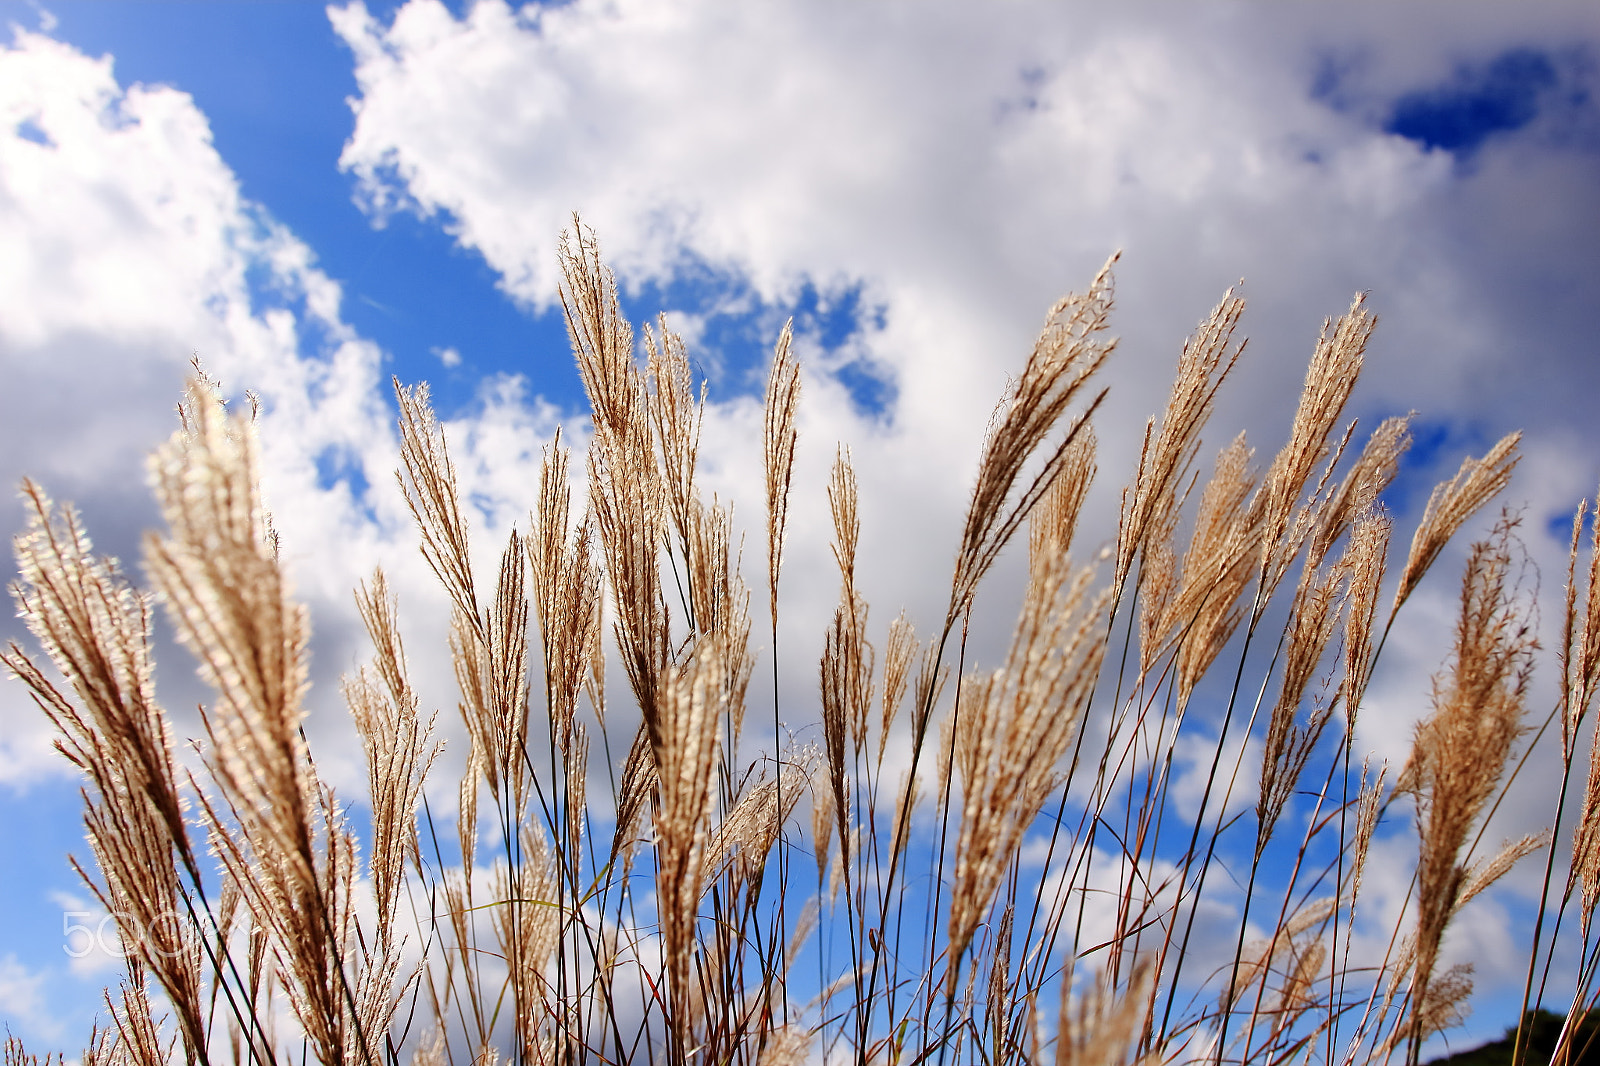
[[335, 465], [1558, 526], [837, 319], [728, 329], [29, 130], [1484, 98], [735, 329], [1331, 74], [38, 906], [1408, 493], [54, 827], [418, 294], [1481, 100]]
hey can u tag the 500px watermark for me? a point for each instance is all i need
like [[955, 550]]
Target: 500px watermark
[[87, 933]]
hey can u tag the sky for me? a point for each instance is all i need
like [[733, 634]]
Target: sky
[[313, 199]]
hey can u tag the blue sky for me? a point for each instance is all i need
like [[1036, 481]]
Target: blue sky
[[915, 186]]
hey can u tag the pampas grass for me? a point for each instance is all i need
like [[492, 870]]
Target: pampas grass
[[676, 919]]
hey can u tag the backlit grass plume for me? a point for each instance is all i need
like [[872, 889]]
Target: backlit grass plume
[[1140, 836]]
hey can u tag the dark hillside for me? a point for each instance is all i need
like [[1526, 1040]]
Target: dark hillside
[[1545, 1030]]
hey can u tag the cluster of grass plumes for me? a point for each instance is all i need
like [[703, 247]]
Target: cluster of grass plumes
[[694, 913]]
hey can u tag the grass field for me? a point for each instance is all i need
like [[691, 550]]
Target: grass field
[[980, 863]]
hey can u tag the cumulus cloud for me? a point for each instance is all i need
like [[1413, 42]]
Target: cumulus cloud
[[963, 169]]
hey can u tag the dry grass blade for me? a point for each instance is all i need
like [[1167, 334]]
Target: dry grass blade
[[677, 418], [1364, 562], [602, 339], [490, 655], [1481, 876], [507, 661], [1367, 809], [1443, 1007], [1357, 494], [97, 630], [1158, 589], [277, 831], [1100, 1027], [907, 795], [567, 593], [575, 771], [722, 605], [399, 748], [1330, 378], [778, 436], [1313, 619], [741, 842], [1451, 504], [822, 817], [627, 512], [713, 581], [528, 929], [898, 655], [787, 1046], [16, 1054], [429, 483], [684, 741], [846, 682], [138, 1036], [1580, 635], [1216, 569], [1016, 725], [626, 495], [1586, 841], [999, 997], [1259, 959], [232, 610], [634, 793], [1054, 520], [1208, 356], [847, 659], [1297, 990], [1461, 750], [1070, 349]]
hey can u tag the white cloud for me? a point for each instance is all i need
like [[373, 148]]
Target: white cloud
[[964, 170], [22, 1000], [90, 937]]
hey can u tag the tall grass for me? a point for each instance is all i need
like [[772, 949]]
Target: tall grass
[[979, 864]]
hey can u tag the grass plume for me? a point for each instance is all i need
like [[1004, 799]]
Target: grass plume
[[625, 881]]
